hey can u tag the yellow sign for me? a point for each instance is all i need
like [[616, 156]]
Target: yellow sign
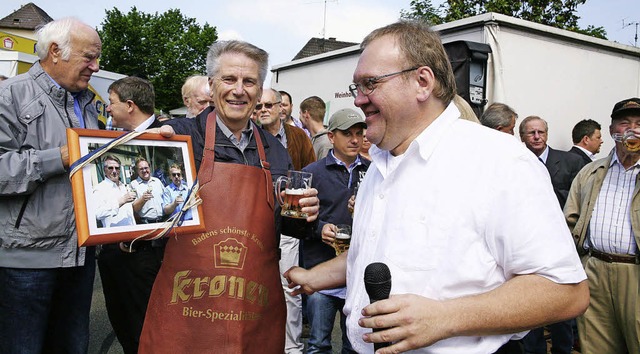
[[17, 43]]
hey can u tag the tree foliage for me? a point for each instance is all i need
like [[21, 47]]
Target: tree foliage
[[163, 48], [556, 13]]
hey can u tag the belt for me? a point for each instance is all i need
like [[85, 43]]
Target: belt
[[614, 258], [137, 246], [151, 220]]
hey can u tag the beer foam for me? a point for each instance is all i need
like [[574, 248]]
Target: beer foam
[[343, 236], [298, 191]]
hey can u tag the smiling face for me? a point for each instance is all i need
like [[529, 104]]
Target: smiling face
[[143, 170], [73, 74], [285, 108], [112, 170], [236, 89], [386, 108]]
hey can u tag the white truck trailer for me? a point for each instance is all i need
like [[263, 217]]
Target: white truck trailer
[[559, 75]]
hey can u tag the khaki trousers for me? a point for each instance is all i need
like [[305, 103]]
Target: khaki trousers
[[611, 324]]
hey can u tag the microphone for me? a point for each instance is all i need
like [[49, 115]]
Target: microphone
[[377, 282]]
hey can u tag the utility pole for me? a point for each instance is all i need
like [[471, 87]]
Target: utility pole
[[631, 24]]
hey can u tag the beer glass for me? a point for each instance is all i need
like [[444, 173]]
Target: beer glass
[[629, 139], [295, 183], [343, 238]]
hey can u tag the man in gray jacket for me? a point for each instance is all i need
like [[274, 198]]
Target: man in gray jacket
[[45, 279]]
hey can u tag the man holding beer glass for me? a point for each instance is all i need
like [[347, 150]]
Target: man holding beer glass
[[237, 163], [335, 177]]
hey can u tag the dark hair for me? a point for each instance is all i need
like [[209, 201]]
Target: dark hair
[[110, 158], [315, 106], [285, 93], [135, 89], [585, 127]]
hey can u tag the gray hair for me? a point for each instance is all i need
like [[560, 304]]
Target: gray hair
[[59, 32], [498, 115], [254, 53], [527, 120]]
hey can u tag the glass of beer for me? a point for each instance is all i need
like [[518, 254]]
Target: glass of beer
[[343, 238], [295, 183], [629, 139]]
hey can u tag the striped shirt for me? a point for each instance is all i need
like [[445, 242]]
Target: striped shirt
[[610, 225]]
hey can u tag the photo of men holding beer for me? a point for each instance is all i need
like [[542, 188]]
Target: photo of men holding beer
[[335, 177]]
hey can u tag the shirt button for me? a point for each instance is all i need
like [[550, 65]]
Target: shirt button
[[381, 196]]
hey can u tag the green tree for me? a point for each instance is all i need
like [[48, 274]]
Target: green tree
[[556, 13], [163, 48]]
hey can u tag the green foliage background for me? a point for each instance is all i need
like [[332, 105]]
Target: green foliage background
[[556, 13], [162, 48]]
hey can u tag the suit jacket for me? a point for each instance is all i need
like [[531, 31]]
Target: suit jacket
[[583, 156], [563, 168], [299, 147]]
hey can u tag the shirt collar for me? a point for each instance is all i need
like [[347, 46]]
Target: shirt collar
[[337, 161], [142, 127], [591, 155], [545, 154], [425, 143], [614, 159], [246, 132]]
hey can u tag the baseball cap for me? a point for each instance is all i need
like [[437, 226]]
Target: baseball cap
[[345, 119], [626, 107]]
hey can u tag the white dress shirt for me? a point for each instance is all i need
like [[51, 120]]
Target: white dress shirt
[[462, 211], [107, 207]]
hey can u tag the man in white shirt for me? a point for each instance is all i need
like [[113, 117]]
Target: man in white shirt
[[113, 199], [470, 267]]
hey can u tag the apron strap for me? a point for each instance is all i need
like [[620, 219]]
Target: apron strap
[[265, 167], [208, 154], [208, 157]]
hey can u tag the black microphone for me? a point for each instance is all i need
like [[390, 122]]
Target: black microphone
[[377, 282]]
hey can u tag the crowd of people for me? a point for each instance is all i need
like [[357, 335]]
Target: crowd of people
[[487, 247]]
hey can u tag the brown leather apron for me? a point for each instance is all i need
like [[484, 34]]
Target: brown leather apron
[[219, 291]]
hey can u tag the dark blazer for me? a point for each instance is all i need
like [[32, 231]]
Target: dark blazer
[[583, 156], [563, 168]]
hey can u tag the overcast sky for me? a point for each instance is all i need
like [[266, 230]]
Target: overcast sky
[[282, 27]]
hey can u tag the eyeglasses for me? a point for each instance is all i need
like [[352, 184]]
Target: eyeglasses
[[369, 84], [113, 167], [176, 174], [266, 105]]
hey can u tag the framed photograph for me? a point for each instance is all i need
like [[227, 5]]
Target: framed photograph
[[113, 198]]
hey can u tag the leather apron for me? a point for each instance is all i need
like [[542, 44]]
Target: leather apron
[[219, 291]]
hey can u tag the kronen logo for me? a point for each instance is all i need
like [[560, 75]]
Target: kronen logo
[[229, 253]]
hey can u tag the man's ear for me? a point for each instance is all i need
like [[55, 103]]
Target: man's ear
[[425, 82], [330, 136], [55, 53]]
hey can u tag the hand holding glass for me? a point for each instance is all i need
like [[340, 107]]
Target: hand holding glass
[[343, 239], [295, 184]]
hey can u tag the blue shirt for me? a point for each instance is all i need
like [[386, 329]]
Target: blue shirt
[[171, 192]]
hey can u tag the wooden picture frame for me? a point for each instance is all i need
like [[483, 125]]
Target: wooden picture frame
[[159, 151]]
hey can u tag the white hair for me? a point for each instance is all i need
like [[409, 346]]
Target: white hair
[[59, 32]]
